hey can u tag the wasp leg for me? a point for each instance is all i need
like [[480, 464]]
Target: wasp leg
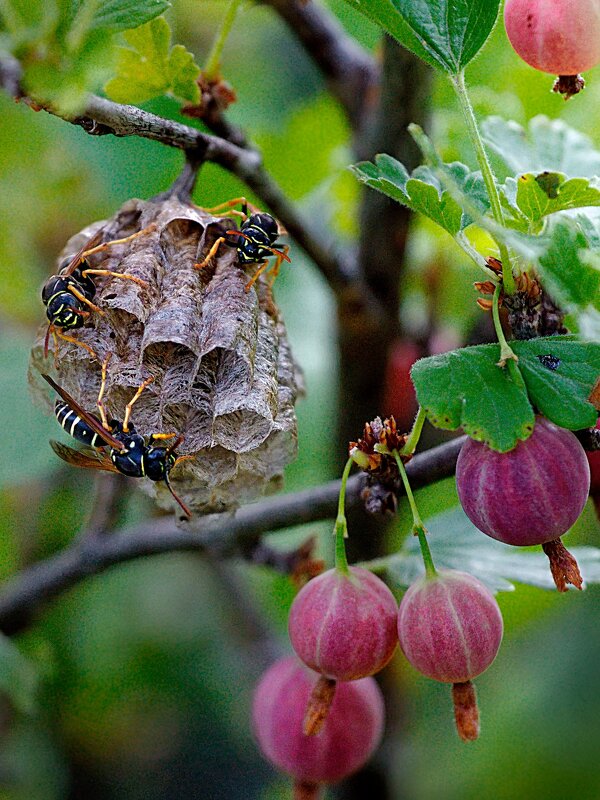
[[262, 267], [83, 299], [132, 402], [229, 205], [211, 253], [154, 436], [56, 333], [99, 401], [105, 245], [274, 271], [124, 275], [183, 458]]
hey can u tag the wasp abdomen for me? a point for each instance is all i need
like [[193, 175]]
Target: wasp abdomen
[[72, 423]]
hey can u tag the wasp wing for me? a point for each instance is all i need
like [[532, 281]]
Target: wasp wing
[[79, 458], [77, 258], [88, 418]]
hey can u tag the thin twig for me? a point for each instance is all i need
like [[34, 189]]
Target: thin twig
[[222, 534]]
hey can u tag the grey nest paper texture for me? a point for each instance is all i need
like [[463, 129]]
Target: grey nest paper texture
[[223, 371]]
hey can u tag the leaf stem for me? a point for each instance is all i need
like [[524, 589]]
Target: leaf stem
[[506, 352], [418, 526], [460, 87], [415, 434], [212, 67], [340, 529]]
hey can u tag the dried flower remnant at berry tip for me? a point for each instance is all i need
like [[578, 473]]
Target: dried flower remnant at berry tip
[[383, 478], [224, 375]]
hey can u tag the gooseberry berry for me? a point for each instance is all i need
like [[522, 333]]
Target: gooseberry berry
[[556, 36], [343, 624], [350, 734], [530, 495]]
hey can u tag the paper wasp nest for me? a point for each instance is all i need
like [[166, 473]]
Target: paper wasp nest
[[223, 371]]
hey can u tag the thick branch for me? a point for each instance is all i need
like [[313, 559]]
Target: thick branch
[[350, 71], [222, 535]]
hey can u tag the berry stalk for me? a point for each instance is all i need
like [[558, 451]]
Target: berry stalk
[[418, 526], [340, 529]]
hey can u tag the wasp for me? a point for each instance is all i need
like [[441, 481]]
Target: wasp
[[255, 240], [129, 453], [68, 296]]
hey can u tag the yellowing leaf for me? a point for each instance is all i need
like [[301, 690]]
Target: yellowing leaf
[[149, 67]]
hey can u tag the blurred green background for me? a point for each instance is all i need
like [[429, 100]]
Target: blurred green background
[[146, 679]]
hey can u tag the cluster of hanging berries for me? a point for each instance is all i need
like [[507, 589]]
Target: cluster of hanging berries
[[321, 717]]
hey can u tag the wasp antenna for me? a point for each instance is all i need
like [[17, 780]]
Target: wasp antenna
[[279, 253], [182, 505]]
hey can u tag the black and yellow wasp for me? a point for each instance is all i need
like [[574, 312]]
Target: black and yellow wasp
[[255, 240], [129, 453], [68, 296]]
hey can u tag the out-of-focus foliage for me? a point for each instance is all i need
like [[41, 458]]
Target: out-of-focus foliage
[[66, 47], [149, 67], [147, 668], [457, 544]]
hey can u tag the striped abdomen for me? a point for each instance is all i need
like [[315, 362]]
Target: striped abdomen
[[75, 426]]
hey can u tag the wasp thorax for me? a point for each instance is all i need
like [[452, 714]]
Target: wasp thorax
[[213, 343]]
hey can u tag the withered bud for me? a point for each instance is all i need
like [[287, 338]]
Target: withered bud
[[216, 95], [376, 435], [383, 481], [379, 499], [494, 264], [569, 85], [466, 712], [485, 287], [319, 704], [307, 791], [224, 376], [563, 566]]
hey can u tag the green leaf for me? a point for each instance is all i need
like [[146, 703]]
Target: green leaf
[[451, 32], [546, 145], [121, 15], [548, 192], [559, 387], [149, 67], [569, 270], [384, 14], [422, 191], [457, 544], [18, 676], [465, 388]]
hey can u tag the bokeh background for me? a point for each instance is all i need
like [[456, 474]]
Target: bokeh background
[[147, 670]]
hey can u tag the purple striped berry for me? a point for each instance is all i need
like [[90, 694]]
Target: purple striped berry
[[449, 626], [350, 734], [344, 625], [531, 495]]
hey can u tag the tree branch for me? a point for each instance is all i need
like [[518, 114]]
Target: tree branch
[[102, 117], [350, 71], [221, 534]]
